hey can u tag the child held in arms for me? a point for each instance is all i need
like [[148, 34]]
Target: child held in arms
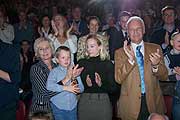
[[65, 79]]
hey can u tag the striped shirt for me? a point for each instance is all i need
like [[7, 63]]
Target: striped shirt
[[41, 96]]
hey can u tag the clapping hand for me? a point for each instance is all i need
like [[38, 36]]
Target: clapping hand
[[69, 74], [72, 73], [40, 31], [72, 87], [77, 71], [129, 51], [88, 81], [98, 79], [155, 58], [69, 30], [177, 70], [54, 27]]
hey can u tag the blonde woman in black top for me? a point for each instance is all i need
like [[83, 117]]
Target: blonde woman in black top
[[98, 80]]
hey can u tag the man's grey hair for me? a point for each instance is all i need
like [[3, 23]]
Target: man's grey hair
[[135, 18], [154, 114]]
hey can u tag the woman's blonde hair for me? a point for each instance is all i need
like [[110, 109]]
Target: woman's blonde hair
[[173, 35], [66, 26], [40, 40], [104, 55]]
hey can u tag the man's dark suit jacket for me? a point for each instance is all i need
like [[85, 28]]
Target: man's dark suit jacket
[[116, 40], [158, 36], [10, 63]]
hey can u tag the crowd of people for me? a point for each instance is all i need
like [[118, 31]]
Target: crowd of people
[[66, 63]]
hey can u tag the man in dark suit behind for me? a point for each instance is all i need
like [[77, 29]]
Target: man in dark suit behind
[[118, 34], [162, 35]]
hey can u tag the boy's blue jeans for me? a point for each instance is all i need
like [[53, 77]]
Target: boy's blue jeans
[[64, 114]]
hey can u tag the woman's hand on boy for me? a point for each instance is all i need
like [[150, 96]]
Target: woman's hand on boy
[[72, 88]]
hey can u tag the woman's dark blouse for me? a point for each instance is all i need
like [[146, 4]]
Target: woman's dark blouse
[[106, 71], [41, 96]]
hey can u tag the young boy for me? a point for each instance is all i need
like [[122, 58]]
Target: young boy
[[172, 57], [174, 66], [65, 80]]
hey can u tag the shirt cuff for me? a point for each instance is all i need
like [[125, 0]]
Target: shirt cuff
[[60, 83], [164, 45], [131, 61], [155, 68]]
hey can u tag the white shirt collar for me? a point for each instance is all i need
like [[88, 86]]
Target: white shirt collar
[[169, 28], [124, 32], [134, 45], [45, 33]]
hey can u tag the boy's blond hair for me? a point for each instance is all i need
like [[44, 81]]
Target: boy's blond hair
[[61, 48]]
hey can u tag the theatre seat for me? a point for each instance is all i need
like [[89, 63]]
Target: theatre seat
[[168, 102], [21, 111]]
